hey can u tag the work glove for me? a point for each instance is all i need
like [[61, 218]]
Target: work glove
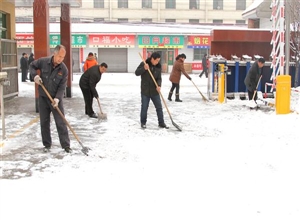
[[55, 103], [37, 79]]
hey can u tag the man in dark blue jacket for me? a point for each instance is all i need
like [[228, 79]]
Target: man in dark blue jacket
[[149, 89], [53, 75], [87, 83], [252, 78]]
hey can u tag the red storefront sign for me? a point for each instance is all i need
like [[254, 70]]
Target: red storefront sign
[[197, 66], [199, 41], [24, 40], [111, 41]]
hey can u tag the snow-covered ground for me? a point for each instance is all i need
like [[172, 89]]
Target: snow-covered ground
[[227, 163]]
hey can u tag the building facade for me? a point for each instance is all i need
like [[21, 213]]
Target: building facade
[[8, 47], [119, 46], [145, 11]]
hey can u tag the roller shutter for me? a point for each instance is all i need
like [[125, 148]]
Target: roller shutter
[[116, 59]]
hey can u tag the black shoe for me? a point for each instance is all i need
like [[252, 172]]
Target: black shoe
[[46, 149], [143, 126], [178, 100], [94, 115], [67, 149], [163, 125], [169, 99]]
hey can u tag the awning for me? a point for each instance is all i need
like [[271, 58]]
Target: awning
[[258, 9]]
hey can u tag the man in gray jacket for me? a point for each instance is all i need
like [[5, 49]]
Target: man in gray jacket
[[253, 76], [53, 75]]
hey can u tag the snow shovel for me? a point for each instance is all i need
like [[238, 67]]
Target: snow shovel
[[101, 115], [84, 150], [203, 97], [252, 103], [175, 125]]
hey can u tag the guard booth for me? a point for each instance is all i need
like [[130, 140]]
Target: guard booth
[[9, 64]]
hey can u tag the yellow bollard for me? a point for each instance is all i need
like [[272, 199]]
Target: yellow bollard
[[283, 94], [221, 94]]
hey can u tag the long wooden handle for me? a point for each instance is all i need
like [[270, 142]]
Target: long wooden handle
[[99, 105], [59, 111], [203, 97], [256, 87]]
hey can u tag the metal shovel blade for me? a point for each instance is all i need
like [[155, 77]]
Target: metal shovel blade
[[102, 116], [176, 126], [84, 149]]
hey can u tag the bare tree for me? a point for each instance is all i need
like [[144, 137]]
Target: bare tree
[[294, 13]]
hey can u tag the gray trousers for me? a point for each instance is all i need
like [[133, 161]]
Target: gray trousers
[[45, 109]]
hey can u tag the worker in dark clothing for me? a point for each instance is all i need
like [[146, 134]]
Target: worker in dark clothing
[[24, 66], [149, 89], [30, 59], [252, 78], [53, 75], [87, 83], [204, 66]]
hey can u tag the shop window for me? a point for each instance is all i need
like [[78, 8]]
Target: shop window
[[146, 3], [218, 4], [170, 4], [199, 53], [122, 3], [3, 31], [194, 4], [98, 3], [240, 4]]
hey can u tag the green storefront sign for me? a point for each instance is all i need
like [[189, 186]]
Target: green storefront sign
[[161, 41], [78, 40]]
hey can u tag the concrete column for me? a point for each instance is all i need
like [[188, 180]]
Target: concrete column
[[41, 34], [65, 34]]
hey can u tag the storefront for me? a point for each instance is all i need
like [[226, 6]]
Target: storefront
[[113, 50], [166, 45], [25, 43], [200, 45]]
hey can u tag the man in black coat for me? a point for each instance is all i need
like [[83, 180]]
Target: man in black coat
[[149, 89], [30, 59], [204, 66], [253, 76], [87, 83], [24, 66]]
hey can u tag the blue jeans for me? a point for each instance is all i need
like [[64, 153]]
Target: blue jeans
[[144, 108]]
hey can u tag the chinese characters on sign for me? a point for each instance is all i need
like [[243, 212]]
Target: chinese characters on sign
[[160, 41], [24, 40], [79, 41], [199, 42], [111, 41], [197, 66], [27, 40], [54, 40]]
